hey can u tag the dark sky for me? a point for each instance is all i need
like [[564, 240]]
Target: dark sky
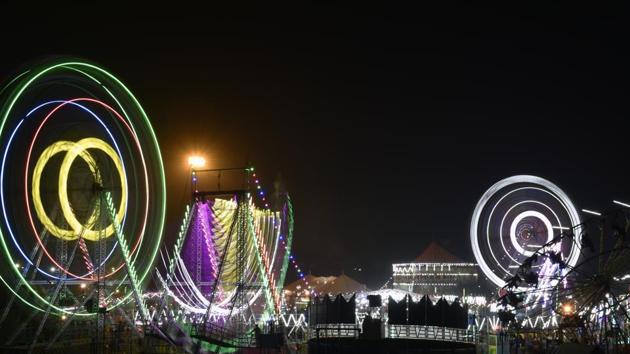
[[385, 124]]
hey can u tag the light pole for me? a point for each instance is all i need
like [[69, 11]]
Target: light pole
[[195, 162]]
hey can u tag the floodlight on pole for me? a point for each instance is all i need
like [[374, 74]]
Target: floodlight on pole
[[568, 309], [196, 161]]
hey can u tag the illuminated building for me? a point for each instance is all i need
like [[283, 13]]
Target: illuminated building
[[436, 272]]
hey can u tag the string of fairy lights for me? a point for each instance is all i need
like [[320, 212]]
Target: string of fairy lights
[[262, 196], [260, 192]]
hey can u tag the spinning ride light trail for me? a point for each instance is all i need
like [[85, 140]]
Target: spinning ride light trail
[[211, 226], [63, 181], [92, 170], [79, 148], [2, 172], [514, 219], [227, 270]]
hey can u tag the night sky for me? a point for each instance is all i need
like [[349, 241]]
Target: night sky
[[385, 125]]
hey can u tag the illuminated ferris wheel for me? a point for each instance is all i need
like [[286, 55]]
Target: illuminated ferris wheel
[[514, 219], [82, 190]]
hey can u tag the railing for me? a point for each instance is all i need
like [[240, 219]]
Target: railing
[[431, 333], [223, 335], [446, 334], [335, 330]]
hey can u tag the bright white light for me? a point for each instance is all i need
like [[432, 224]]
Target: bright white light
[[517, 220], [196, 161], [52, 269], [621, 203], [592, 212], [561, 227], [63, 317], [82, 285], [476, 237], [567, 309]]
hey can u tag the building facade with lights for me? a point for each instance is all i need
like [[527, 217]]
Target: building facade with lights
[[436, 272]]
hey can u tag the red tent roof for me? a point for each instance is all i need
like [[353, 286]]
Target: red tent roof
[[316, 282], [331, 284], [343, 284], [434, 253]]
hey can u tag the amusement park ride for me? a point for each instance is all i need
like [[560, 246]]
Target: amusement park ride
[[529, 240], [82, 198], [228, 267], [82, 191]]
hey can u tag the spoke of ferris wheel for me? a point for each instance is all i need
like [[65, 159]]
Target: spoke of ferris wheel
[[597, 256], [605, 312], [618, 303], [53, 297]]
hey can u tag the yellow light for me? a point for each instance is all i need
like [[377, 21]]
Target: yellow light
[[82, 285], [76, 149], [196, 161], [567, 309], [63, 317]]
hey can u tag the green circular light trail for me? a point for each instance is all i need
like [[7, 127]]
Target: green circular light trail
[[140, 120]]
